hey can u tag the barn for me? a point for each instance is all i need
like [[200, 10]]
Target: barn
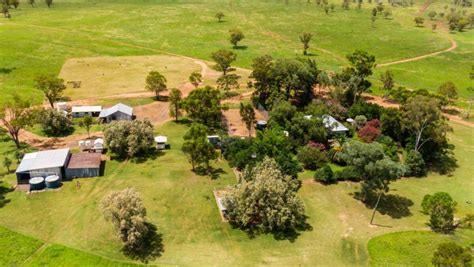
[[83, 165], [119, 112], [42, 164]]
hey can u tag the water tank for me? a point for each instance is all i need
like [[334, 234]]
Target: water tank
[[52, 181], [36, 183], [261, 125]]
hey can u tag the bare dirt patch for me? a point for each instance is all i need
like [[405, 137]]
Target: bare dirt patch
[[236, 126], [107, 76]]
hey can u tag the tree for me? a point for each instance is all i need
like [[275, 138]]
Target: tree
[[326, 9], [449, 90], [441, 208], [5, 10], [325, 175], [312, 157], [235, 36], [375, 169], [461, 24], [55, 123], [224, 59], [196, 78], [49, 3], [264, 201], [51, 87], [197, 148], [7, 163], [16, 115], [247, 114], [219, 16], [31, 2], [361, 65], [387, 81], [422, 116], [128, 139], [450, 254], [176, 103], [86, 122], [415, 164], [125, 210], [370, 131], [156, 83], [203, 105], [432, 15], [305, 38], [228, 82], [419, 21]]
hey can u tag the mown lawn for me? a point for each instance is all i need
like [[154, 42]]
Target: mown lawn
[[181, 205], [97, 29], [21, 250], [412, 248]]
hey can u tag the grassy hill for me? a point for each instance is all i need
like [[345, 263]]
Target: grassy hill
[[40, 39]]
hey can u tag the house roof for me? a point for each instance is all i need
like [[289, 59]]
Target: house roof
[[161, 139], [84, 160], [43, 160], [117, 108], [86, 109], [333, 125]]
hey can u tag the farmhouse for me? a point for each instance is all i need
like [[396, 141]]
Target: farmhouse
[[334, 126], [81, 111], [58, 162], [117, 113]]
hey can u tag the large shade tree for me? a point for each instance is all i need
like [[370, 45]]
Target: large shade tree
[[203, 105], [197, 147], [224, 59], [128, 139], [15, 115], [51, 87], [156, 83], [265, 201]]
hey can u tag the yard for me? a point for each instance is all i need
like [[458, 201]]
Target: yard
[[182, 206]]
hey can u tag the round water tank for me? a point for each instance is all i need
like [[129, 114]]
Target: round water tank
[[36, 183], [261, 125], [52, 181]]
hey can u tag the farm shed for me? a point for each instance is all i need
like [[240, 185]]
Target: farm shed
[[161, 142], [84, 165], [118, 112], [42, 164], [81, 111]]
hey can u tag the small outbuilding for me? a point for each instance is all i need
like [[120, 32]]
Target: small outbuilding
[[84, 165], [161, 142], [81, 111], [98, 145], [215, 140], [42, 164], [118, 112]]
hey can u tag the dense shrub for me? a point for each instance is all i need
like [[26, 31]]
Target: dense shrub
[[55, 123], [360, 121], [441, 208], [370, 131], [129, 138], [349, 173], [390, 148], [415, 164], [451, 254], [325, 175], [370, 111], [312, 157]]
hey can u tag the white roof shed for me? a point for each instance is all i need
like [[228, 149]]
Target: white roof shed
[[43, 160]]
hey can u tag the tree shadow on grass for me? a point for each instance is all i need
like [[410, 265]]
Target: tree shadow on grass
[[213, 173], [395, 206], [4, 189], [151, 248], [290, 234], [240, 47]]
